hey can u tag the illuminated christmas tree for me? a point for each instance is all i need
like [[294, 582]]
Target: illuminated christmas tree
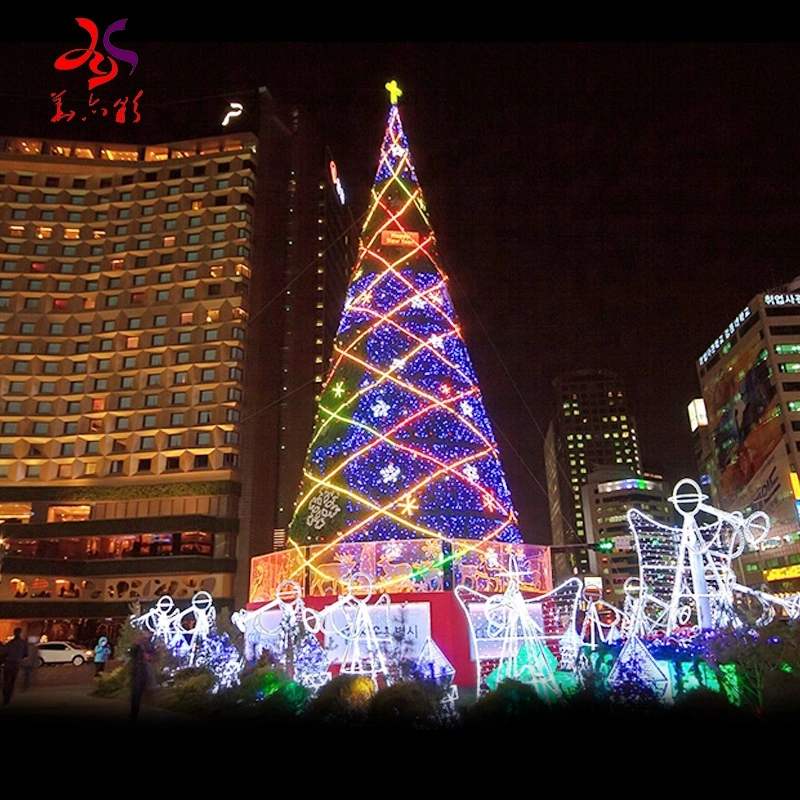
[[402, 446]]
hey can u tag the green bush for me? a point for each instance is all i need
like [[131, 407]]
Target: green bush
[[408, 705], [342, 702], [114, 683]]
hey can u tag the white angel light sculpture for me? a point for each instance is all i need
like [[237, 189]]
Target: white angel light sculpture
[[685, 573], [159, 619], [280, 627], [353, 619], [510, 633]]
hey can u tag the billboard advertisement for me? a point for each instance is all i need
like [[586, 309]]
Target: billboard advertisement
[[744, 418]]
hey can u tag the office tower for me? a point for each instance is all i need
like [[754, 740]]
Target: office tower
[[607, 495], [146, 348], [749, 382], [592, 427]]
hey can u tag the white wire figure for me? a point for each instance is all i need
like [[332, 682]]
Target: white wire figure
[[266, 630], [159, 619], [194, 625], [504, 629], [602, 623], [365, 650], [685, 573]]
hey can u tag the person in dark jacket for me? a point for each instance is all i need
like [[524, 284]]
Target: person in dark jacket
[[16, 651], [141, 655]]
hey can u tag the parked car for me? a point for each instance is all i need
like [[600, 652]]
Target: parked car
[[63, 653]]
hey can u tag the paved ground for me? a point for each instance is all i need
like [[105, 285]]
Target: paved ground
[[60, 700]]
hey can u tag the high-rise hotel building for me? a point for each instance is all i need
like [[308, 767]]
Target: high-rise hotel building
[[162, 338], [750, 382], [592, 427]]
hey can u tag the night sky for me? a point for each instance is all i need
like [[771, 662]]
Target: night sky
[[597, 204]]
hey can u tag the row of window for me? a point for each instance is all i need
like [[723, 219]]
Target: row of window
[[130, 343], [117, 466], [71, 268], [92, 446], [93, 284], [146, 226], [169, 240], [174, 173], [145, 421], [131, 362], [15, 248], [125, 382], [145, 210], [203, 397]]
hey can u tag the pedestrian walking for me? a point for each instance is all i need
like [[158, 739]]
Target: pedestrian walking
[[102, 652], [31, 662], [141, 655], [16, 650]]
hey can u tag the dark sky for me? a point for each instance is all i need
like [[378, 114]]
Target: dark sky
[[597, 204]]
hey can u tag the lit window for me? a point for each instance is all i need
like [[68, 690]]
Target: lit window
[[72, 233], [43, 232]]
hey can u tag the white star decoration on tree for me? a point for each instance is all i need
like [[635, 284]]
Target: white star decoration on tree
[[380, 409], [390, 473], [471, 472]]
